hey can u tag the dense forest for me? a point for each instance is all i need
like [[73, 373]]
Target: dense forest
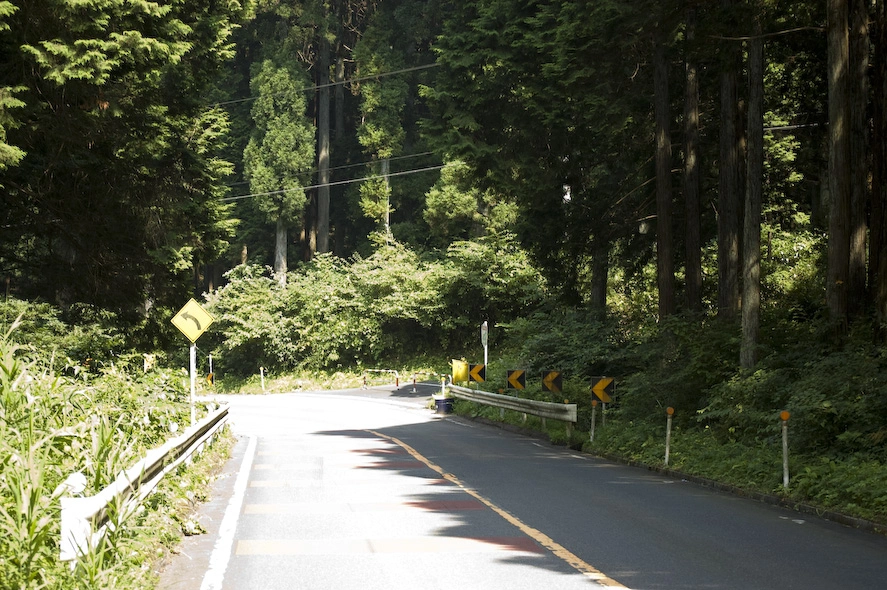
[[689, 195]]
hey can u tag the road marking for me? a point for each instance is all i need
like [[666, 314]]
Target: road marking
[[218, 561], [358, 546], [558, 550], [315, 508]]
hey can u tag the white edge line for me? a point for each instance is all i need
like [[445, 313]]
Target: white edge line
[[221, 555]]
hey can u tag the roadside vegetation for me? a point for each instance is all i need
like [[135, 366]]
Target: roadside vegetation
[[690, 198], [93, 414]]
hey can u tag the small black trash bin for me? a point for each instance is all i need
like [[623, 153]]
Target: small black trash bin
[[443, 405]]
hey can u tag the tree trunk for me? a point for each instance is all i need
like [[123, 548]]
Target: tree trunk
[[693, 237], [664, 245], [878, 238], [838, 277], [729, 181], [859, 154], [340, 98], [323, 148], [600, 269], [386, 216], [280, 252], [751, 238]]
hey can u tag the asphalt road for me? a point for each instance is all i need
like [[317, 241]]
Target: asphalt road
[[368, 489]]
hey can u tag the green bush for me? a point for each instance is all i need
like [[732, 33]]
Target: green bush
[[390, 306]]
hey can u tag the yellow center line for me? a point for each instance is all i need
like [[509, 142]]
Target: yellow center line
[[557, 549]]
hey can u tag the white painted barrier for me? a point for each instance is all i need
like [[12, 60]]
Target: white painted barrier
[[366, 372], [84, 520]]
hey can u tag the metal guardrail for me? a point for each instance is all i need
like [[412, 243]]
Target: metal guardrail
[[564, 412], [84, 520]]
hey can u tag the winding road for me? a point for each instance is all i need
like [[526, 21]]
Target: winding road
[[368, 489]]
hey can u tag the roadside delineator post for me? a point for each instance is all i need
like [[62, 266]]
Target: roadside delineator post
[[669, 412], [262, 375], [593, 416], [784, 416]]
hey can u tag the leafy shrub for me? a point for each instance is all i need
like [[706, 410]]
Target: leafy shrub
[[82, 333], [393, 304]]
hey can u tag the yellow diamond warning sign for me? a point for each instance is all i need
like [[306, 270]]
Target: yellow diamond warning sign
[[192, 320]]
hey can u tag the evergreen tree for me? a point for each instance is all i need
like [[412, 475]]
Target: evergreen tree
[[280, 152], [115, 200]]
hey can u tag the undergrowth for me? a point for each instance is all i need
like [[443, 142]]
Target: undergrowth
[[60, 419]]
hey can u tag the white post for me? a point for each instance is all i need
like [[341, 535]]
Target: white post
[[784, 416], [484, 331], [193, 379], [262, 375], [593, 417], [670, 412]]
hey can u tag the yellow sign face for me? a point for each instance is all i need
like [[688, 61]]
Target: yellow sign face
[[602, 389], [460, 371], [552, 381], [477, 373], [517, 379], [192, 320]]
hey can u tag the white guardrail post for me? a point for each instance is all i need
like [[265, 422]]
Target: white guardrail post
[[84, 520], [563, 412]]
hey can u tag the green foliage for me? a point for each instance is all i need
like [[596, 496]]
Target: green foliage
[[51, 426], [116, 199], [334, 313], [83, 335], [281, 149]]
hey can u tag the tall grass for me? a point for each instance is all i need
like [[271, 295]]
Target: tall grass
[[58, 419]]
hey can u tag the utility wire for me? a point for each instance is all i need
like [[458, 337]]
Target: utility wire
[[331, 84], [344, 166], [337, 183]]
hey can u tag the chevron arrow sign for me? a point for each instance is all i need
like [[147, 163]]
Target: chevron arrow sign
[[477, 373], [552, 381], [517, 379], [603, 388]]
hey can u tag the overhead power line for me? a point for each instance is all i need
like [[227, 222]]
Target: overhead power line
[[337, 183], [331, 84], [345, 166]]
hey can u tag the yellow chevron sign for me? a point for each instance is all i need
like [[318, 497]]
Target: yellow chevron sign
[[602, 389], [552, 381], [517, 379], [477, 373], [460, 371]]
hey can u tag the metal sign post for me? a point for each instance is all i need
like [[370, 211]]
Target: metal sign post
[[484, 331], [192, 320], [193, 380]]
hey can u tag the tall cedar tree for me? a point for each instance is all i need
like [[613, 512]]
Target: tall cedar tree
[[115, 200]]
